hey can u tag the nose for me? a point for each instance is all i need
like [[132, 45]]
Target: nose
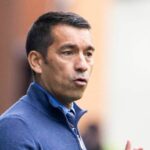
[[81, 65]]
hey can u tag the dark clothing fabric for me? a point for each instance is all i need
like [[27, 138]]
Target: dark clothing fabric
[[33, 123]]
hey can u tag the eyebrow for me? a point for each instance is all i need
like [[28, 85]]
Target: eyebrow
[[73, 46], [90, 48]]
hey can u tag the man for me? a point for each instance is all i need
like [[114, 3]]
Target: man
[[60, 53]]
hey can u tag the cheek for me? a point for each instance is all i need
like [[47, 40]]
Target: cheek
[[60, 70], [91, 67], [54, 66]]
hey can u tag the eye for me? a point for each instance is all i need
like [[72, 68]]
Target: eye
[[67, 52], [89, 53]]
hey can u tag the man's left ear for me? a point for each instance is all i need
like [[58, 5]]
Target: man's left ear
[[35, 61]]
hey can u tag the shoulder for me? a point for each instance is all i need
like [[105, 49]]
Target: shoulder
[[12, 121], [15, 134]]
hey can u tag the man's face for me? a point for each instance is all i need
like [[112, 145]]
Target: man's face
[[68, 65]]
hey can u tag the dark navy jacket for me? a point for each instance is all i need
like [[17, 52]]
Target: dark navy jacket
[[34, 124]]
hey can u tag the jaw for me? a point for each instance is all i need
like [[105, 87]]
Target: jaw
[[69, 96]]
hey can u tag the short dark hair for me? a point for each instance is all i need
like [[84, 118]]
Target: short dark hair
[[40, 38]]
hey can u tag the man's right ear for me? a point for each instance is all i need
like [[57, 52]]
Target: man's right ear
[[35, 61]]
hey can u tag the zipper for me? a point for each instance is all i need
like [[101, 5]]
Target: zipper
[[77, 136]]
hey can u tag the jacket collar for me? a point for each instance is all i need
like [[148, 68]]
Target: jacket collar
[[54, 101], [41, 101]]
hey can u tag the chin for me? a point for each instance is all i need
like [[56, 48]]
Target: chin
[[76, 97], [71, 96]]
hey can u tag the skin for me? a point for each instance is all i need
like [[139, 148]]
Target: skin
[[66, 70], [128, 146]]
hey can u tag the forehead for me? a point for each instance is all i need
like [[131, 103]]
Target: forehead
[[67, 33]]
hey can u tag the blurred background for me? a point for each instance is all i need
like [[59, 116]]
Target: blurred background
[[118, 95]]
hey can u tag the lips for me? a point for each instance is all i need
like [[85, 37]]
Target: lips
[[80, 81]]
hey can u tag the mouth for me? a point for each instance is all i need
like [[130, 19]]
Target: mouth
[[80, 81]]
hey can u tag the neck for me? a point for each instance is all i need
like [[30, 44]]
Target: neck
[[62, 99]]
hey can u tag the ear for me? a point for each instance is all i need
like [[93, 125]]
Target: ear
[[35, 61]]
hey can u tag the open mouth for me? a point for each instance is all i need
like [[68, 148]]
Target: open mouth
[[80, 81]]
